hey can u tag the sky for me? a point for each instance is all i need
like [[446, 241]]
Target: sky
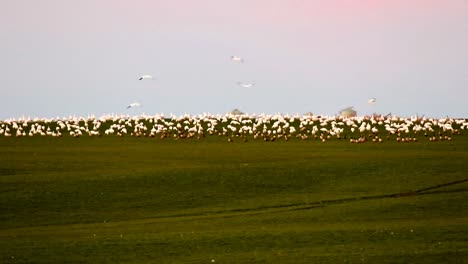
[[63, 57]]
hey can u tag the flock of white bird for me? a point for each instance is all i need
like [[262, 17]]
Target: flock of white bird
[[235, 59], [242, 127]]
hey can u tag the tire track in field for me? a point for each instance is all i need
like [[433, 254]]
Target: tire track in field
[[422, 191], [317, 204], [275, 209]]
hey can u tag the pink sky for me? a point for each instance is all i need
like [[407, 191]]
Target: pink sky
[[103, 15], [322, 50]]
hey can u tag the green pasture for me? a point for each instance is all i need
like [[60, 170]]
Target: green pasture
[[146, 200]]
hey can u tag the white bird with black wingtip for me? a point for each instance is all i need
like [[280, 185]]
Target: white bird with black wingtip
[[132, 105], [145, 77]]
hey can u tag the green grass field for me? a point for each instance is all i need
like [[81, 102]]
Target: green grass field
[[144, 200]]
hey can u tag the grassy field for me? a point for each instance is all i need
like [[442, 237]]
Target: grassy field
[[144, 200]]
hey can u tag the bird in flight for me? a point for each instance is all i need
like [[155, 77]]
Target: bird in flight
[[237, 59], [245, 85], [146, 77], [136, 104]]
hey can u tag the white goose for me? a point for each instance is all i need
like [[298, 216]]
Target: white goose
[[145, 77], [237, 59], [246, 85], [136, 104]]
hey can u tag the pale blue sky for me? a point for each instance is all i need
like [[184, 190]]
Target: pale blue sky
[[63, 57]]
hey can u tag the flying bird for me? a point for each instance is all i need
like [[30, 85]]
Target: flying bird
[[237, 59], [246, 85], [372, 101], [136, 104], [146, 77]]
